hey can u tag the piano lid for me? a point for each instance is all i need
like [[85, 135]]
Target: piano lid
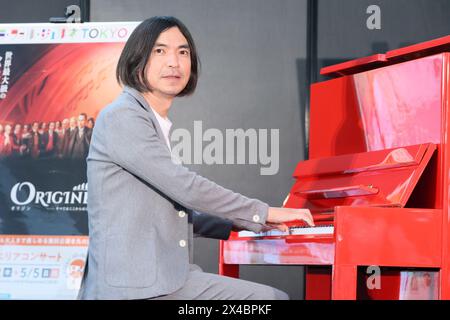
[[420, 50], [376, 178], [378, 60], [354, 66]]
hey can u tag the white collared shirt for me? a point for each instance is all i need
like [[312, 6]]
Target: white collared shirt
[[165, 125]]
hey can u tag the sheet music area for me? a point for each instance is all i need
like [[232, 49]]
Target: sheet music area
[[377, 183]]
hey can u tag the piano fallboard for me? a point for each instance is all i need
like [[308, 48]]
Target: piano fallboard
[[376, 178]]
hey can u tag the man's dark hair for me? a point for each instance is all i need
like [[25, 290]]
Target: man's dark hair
[[131, 68]]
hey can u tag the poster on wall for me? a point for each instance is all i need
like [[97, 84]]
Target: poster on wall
[[54, 80]]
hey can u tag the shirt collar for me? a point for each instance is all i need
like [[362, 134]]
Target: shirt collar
[[165, 125]]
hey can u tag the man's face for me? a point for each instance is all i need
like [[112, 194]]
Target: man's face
[[17, 128], [65, 123], [73, 122], [35, 126], [51, 126], [81, 121], [169, 66]]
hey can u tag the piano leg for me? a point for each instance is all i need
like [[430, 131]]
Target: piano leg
[[317, 282], [344, 282], [444, 280], [229, 270]]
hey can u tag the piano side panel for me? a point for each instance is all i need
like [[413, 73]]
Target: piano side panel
[[444, 173], [335, 124], [398, 237]]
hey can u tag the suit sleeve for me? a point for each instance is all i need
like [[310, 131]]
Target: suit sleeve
[[133, 144], [209, 226]]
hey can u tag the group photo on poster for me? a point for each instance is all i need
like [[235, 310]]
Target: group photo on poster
[[66, 139]]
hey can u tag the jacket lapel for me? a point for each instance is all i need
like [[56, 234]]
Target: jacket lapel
[[143, 103]]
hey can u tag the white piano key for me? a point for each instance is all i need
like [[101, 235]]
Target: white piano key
[[313, 230], [317, 230]]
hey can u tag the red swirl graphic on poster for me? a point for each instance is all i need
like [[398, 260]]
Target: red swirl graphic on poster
[[67, 80]]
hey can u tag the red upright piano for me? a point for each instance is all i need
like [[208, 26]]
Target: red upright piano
[[377, 183]]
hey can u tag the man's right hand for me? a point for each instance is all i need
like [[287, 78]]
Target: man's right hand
[[277, 217]]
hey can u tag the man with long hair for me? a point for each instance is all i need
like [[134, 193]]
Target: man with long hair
[[140, 200]]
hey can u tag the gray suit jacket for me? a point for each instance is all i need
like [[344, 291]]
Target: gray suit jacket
[[138, 236]]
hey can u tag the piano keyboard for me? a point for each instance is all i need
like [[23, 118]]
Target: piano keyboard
[[317, 230]]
